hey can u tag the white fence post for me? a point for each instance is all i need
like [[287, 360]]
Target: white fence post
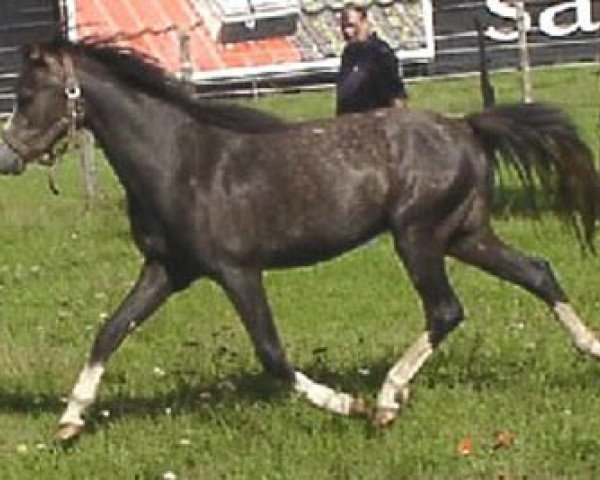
[[524, 52]]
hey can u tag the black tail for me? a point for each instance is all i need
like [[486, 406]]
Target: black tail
[[487, 90], [543, 146]]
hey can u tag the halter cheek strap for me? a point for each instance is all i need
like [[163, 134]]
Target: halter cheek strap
[[72, 92]]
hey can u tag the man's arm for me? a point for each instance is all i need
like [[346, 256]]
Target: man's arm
[[390, 77]]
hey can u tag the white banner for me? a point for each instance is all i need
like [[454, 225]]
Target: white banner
[[550, 20]]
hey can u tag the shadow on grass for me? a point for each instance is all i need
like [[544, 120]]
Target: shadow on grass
[[185, 397], [30, 403], [249, 389]]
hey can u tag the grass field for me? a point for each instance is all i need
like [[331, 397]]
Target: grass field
[[185, 398]]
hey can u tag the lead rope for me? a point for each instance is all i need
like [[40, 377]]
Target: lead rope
[[51, 159], [71, 144]]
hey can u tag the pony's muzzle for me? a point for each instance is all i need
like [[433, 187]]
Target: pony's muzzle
[[10, 162]]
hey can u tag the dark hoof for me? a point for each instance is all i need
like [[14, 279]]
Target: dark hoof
[[68, 432], [384, 416]]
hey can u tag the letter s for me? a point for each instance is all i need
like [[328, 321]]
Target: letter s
[[505, 11]]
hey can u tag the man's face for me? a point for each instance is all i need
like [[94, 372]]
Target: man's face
[[355, 28]]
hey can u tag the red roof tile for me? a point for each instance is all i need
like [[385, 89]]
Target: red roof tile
[[153, 27], [110, 17]]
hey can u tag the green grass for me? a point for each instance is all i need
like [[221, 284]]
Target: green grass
[[185, 394]]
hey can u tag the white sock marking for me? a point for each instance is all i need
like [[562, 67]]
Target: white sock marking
[[83, 394], [322, 396], [399, 376], [583, 338]]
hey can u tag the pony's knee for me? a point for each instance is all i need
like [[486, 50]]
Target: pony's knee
[[444, 318]]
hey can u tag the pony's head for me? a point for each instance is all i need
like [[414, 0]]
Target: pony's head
[[47, 105]]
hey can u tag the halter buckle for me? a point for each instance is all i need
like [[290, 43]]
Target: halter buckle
[[73, 92]]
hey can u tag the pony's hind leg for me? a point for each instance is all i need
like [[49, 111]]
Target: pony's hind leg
[[424, 261], [244, 288], [484, 250]]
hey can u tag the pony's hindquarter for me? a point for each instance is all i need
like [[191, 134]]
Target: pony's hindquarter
[[540, 142]]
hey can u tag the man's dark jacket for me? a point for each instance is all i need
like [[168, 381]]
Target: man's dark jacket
[[369, 77]]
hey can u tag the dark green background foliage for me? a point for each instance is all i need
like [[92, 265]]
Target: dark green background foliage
[[185, 394]]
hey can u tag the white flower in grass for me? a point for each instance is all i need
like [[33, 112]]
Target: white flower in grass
[[169, 476], [185, 442], [159, 372], [205, 396], [105, 413], [226, 385]]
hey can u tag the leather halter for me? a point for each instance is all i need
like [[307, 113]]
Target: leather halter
[[41, 147]]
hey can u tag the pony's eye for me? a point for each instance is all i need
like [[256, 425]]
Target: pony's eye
[[23, 101], [24, 98]]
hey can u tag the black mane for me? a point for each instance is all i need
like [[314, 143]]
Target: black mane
[[142, 72]]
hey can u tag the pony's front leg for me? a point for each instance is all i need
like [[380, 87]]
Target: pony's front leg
[[152, 288], [395, 389], [245, 289]]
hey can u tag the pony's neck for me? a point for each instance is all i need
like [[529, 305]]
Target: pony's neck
[[112, 108], [127, 123]]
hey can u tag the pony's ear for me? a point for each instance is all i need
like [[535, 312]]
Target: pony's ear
[[34, 52], [41, 54]]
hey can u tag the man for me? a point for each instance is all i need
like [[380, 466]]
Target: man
[[369, 76]]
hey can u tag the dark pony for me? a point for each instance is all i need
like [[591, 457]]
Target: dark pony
[[225, 192]]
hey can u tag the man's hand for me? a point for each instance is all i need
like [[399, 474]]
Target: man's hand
[[401, 102]]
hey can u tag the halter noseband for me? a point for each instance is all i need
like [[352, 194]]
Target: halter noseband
[[41, 148]]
